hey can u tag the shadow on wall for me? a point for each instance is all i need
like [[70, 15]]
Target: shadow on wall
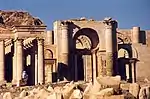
[[142, 37], [62, 71]]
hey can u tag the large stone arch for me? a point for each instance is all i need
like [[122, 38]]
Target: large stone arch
[[90, 33], [86, 40]]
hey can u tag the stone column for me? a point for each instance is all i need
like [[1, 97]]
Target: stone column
[[109, 43], [40, 61], [64, 41], [133, 72], [100, 64], [19, 56], [94, 67], [15, 64], [76, 68], [36, 68], [135, 34], [2, 61], [85, 64], [127, 72]]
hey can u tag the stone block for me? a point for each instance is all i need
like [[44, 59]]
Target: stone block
[[134, 89], [144, 92], [105, 92], [68, 91], [125, 86], [92, 96], [110, 82], [7, 95]]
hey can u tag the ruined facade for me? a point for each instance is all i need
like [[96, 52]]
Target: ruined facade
[[76, 49]]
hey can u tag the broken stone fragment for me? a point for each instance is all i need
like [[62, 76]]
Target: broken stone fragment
[[106, 92], [125, 86], [68, 91], [77, 94], [23, 94], [134, 89], [110, 82], [50, 89], [7, 95], [144, 92]]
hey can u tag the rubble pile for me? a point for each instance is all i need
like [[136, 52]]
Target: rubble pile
[[17, 18], [103, 88]]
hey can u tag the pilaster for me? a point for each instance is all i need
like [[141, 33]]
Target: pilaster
[[40, 61]]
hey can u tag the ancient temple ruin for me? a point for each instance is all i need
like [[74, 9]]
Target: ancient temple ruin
[[76, 49]]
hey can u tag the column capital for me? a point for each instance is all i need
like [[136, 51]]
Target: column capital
[[65, 24], [18, 39], [109, 22], [40, 41]]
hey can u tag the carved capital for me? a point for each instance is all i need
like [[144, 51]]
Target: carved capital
[[19, 42], [65, 24], [109, 23], [40, 41]]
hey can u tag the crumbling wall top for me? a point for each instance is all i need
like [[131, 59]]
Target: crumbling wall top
[[8, 19]]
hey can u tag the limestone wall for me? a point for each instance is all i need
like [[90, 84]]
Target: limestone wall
[[140, 50]]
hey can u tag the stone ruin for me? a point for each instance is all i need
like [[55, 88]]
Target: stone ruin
[[78, 59]]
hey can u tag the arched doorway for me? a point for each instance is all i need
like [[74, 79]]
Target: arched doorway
[[85, 40], [49, 66], [124, 57]]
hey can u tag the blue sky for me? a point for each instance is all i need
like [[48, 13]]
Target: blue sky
[[128, 13]]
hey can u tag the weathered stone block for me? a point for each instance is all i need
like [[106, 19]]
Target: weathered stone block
[[125, 86], [110, 82], [134, 89]]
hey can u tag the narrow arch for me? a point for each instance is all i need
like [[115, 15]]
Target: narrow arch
[[48, 54], [126, 47], [123, 53]]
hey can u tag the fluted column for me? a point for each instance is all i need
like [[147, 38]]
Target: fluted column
[[15, 64], [109, 43], [19, 54], [2, 61], [40, 61], [64, 41]]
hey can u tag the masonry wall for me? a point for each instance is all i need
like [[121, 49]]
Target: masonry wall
[[140, 50]]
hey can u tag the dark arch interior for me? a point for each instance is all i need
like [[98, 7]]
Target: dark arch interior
[[122, 61], [94, 38], [8, 67], [91, 34]]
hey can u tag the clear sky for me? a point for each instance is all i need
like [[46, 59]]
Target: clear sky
[[127, 12]]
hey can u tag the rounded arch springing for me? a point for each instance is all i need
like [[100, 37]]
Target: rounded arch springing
[[48, 54]]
